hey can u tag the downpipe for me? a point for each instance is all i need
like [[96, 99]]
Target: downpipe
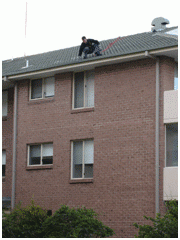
[[14, 146], [157, 166]]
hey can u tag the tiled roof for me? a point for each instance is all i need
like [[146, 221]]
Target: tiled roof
[[126, 45]]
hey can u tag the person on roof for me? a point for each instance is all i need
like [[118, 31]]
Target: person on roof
[[89, 46]]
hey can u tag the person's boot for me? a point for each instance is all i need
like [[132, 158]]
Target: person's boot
[[98, 54]]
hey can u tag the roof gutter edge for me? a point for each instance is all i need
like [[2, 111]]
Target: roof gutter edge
[[91, 63]]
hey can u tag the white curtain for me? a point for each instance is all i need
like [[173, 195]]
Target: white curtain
[[47, 150], [49, 86], [89, 152], [3, 157]]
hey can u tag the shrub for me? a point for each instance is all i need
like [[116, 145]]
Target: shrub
[[79, 223], [163, 227], [24, 222]]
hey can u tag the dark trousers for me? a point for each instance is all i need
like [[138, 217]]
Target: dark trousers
[[95, 49]]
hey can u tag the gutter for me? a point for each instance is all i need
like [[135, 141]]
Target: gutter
[[157, 166], [14, 146]]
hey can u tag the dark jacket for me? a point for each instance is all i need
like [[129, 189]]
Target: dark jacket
[[90, 43]]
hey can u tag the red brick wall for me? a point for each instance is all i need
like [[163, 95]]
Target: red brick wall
[[123, 127], [7, 139]]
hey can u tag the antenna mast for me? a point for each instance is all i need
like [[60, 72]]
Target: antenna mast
[[25, 28]]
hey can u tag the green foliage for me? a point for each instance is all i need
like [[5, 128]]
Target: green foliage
[[24, 222], [72, 223], [162, 227], [32, 222]]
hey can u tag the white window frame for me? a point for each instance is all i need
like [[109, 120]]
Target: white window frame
[[28, 154], [43, 88], [85, 90], [82, 159], [6, 94]]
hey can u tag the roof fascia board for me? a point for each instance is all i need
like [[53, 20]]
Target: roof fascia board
[[96, 63]]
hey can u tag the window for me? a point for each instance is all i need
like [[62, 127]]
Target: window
[[176, 77], [82, 159], [4, 103], [83, 95], [172, 145], [42, 88], [40, 154], [3, 163]]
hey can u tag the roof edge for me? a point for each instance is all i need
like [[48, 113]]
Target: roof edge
[[99, 62]]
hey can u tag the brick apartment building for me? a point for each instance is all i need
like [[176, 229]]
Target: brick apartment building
[[99, 132]]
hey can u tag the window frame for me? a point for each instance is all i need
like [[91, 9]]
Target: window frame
[[85, 90], [28, 154], [43, 88], [83, 164]]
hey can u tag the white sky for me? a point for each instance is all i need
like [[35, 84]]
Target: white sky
[[58, 24]]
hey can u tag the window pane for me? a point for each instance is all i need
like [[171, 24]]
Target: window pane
[[89, 152], [36, 88], [3, 170], [49, 87], [77, 159], [176, 76], [4, 157], [4, 103], [79, 90], [89, 96], [88, 173], [47, 157], [171, 145], [35, 155], [3, 162]]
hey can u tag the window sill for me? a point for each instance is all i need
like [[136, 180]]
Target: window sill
[[3, 179], [4, 118], [40, 100], [39, 167], [81, 181], [81, 110]]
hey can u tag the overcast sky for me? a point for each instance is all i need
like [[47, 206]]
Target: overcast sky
[[57, 24]]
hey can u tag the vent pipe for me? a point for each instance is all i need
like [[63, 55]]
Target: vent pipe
[[159, 24]]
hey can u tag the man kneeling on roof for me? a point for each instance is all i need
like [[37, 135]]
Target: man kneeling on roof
[[89, 46]]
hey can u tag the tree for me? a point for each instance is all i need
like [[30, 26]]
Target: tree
[[162, 227], [79, 223]]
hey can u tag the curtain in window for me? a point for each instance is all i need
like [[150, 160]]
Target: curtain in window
[[49, 87], [89, 97], [36, 88], [47, 153], [79, 90], [4, 157], [4, 103]]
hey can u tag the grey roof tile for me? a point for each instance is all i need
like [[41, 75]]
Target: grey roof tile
[[126, 45]]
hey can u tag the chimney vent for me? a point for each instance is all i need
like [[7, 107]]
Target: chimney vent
[[159, 24]]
